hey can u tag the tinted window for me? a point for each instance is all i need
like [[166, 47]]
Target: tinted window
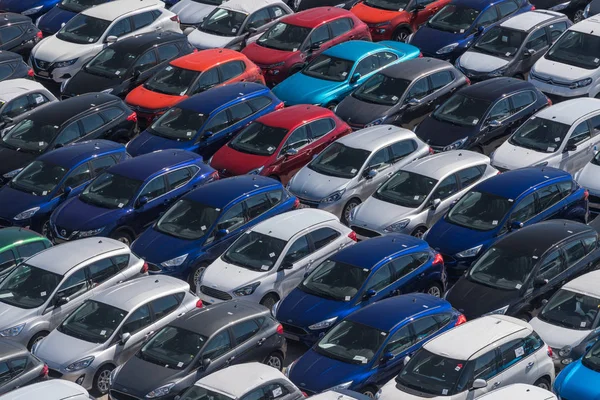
[[232, 69], [207, 80], [400, 341], [380, 160], [525, 209], [298, 250], [29, 249], [441, 79], [368, 65], [74, 286], [145, 62], [121, 28], [156, 187], [16, 107], [233, 218], [259, 18], [488, 17], [111, 113], [7, 260], [78, 176], [470, 175], [320, 35], [179, 178], [167, 52], [9, 33], [341, 26], [532, 343], [296, 140], [595, 121], [380, 279], [18, 365], [511, 353], [321, 127], [590, 243], [121, 261], [521, 101], [385, 57], [239, 112], [101, 271], [500, 110], [218, 122], [164, 306], [538, 40], [91, 123], [574, 252], [139, 319], [69, 134], [244, 330], [275, 196], [419, 89], [217, 346], [551, 266], [5, 71], [507, 7], [257, 205], [404, 265], [557, 29], [258, 103], [142, 19], [548, 196], [402, 149], [275, 391], [102, 163], [580, 133], [485, 366], [446, 188], [4, 373], [424, 327], [323, 236], [37, 99]]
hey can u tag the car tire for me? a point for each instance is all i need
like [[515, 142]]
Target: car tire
[[36, 338], [194, 275], [401, 34], [524, 316], [578, 15], [101, 379], [435, 289], [519, 76], [331, 106], [269, 301], [275, 360], [122, 236], [419, 232], [543, 383], [369, 391], [350, 205]]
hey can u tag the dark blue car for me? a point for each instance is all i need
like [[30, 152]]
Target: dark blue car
[[31, 196], [501, 204], [58, 16], [356, 277], [130, 196], [450, 32], [367, 348], [201, 226], [206, 121], [32, 8]]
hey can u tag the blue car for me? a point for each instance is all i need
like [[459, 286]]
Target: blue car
[[130, 196], [580, 379], [367, 348], [32, 8], [450, 32], [355, 277], [58, 16], [501, 204], [31, 196], [336, 72], [201, 226], [206, 121]]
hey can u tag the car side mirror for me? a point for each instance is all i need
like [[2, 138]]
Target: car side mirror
[[188, 30], [406, 360], [252, 30], [206, 362], [435, 203], [286, 265], [355, 77], [221, 233], [142, 200], [414, 102], [494, 123], [67, 190], [570, 147], [207, 134], [124, 338], [514, 225], [314, 46], [539, 282], [62, 300], [111, 39], [136, 72], [291, 152], [7, 119], [59, 145], [370, 173], [387, 357], [369, 293], [480, 30], [479, 384], [529, 52]]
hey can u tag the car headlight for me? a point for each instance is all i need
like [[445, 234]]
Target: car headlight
[[447, 49], [161, 391], [500, 311], [33, 10], [93, 232], [397, 226], [472, 252], [582, 83], [246, 290], [81, 364], [174, 262], [586, 10], [341, 386], [13, 331], [107, 91], [62, 64], [456, 145], [323, 324], [12, 174], [63, 85], [26, 214], [565, 351], [333, 197], [274, 309], [256, 171], [378, 121]]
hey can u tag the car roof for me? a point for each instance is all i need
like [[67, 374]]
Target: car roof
[[114, 9], [144, 166], [12, 88], [62, 258], [58, 112], [354, 49], [568, 112], [10, 236], [290, 117], [238, 380], [462, 342], [205, 59], [397, 309], [493, 89], [590, 25], [314, 17], [9, 56], [144, 41], [285, 226], [73, 154], [412, 69], [368, 253], [131, 294], [210, 100], [224, 191], [588, 284], [6, 18], [529, 20], [439, 165], [512, 184], [519, 391], [375, 137], [9, 349], [247, 7], [55, 389]]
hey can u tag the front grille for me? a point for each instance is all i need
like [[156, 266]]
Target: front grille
[[310, 203], [550, 81], [293, 330], [43, 65], [448, 259], [54, 374], [364, 232], [217, 294], [115, 395]]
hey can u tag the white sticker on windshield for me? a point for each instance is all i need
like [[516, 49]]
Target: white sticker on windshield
[[218, 209], [117, 72], [519, 351], [277, 392], [366, 270], [535, 257], [41, 143], [505, 39], [121, 205], [264, 267], [255, 185], [507, 54], [278, 11], [510, 200], [416, 197], [43, 294], [270, 148], [445, 392], [91, 40], [518, 286], [596, 60], [462, 31], [295, 49], [570, 231], [550, 148], [169, 68], [189, 133], [383, 333], [326, 345], [361, 359], [476, 120], [182, 93], [179, 364], [347, 298], [394, 98], [344, 73], [233, 30], [203, 227], [39, 99], [557, 139], [271, 255], [495, 222], [353, 170], [102, 332], [45, 192], [583, 324]]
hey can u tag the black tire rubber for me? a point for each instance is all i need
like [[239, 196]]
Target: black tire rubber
[[122, 236], [343, 217], [275, 355], [269, 301], [418, 232], [191, 276], [37, 337], [96, 385], [543, 383], [436, 286], [369, 391], [399, 32]]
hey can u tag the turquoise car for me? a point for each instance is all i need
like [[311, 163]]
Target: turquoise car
[[336, 72], [580, 380]]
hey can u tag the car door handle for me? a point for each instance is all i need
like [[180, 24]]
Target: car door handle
[[352, 37], [230, 359], [530, 364], [180, 314], [149, 333], [496, 384], [261, 341]]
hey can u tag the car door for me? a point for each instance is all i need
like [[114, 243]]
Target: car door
[[5, 378], [407, 278], [77, 179], [575, 265], [233, 220], [379, 285], [258, 22], [92, 127], [535, 47], [294, 265], [545, 280], [76, 287], [220, 350], [208, 79], [69, 134], [341, 30], [292, 154], [16, 107], [416, 103], [319, 131], [18, 368], [147, 213], [237, 116], [247, 341], [400, 343], [447, 191], [581, 137], [319, 40], [516, 366], [326, 241], [120, 27], [363, 70], [143, 66], [137, 325], [380, 162], [495, 125]]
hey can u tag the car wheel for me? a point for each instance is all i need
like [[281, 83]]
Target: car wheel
[[578, 16], [122, 237], [351, 205], [401, 35], [369, 391], [524, 317], [275, 360], [543, 383], [269, 301], [419, 232], [435, 290], [195, 275], [36, 338], [102, 379]]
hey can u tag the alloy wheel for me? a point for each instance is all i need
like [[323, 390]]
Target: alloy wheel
[[103, 383], [274, 362], [434, 291]]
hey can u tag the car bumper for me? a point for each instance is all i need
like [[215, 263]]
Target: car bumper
[[84, 377], [335, 208], [558, 93]]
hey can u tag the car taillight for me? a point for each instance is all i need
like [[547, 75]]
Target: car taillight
[[438, 259], [549, 351], [532, 8], [296, 203], [431, 152], [549, 102], [586, 194], [461, 320], [420, 55], [304, 394], [468, 81], [352, 235], [199, 304], [44, 372], [214, 176], [132, 117], [30, 73], [175, 18], [280, 329], [279, 106], [144, 268], [39, 35]]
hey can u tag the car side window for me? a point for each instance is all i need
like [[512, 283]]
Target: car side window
[[298, 250], [297, 140], [380, 160], [500, 110], [595, 122], [167, 52], [217, 346], [258, 19], [111, 113], [341, 26], [29, 249], [258, 103], [155, 188], [91, 123], [7, 260], [469, 176], [142, 19], [70, 134], [537, 40], [551, 267], [257, 205], [239, 112], [207, 80], [101, 164], [441, 79], [404, 265], [217, 123], [5, 71], [532, 343], [402, 149], [590, 242], [232, 219], [16, 107], [488, 17], [101, 271], [320, 35], [580, 133], [400, 341], [446, 188], [145, 61], [321, 127], [120, 28], [367, 65], [179, 178], [78, 176], [386, 57], [277, 12], [164, 306], [486, 366], [5, 375], [37, 99], [525, 209], [507, 8], [137, 320], [425, 327], [256, 394], [522, 100], [18, 365], [511, 353], [232, 69], [244, 330], [380, 279], [74, 286], [557, 29], [9, 33], [548, 196], [121, 261], [574, 251], [419, 89], [323, 236]]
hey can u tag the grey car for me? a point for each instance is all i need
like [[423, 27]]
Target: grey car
[[41, 291], [18, 367], [417, 196], [17, 97], [109, 328], [197, 344], [50, 390], [402, 95], [348, 171], [193, 12]]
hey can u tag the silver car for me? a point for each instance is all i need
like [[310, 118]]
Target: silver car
[[348, 171], [193, 12], [418, 195], [109, 328], [41, 291]]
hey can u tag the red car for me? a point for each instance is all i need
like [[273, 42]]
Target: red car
[[295, 40], [280, 143]]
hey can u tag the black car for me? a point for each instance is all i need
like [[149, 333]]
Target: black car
[[12, 66], [18, 367], [480, 117], [592, 9], [86, 117], [516, 274], [572, 9], [402, 94], [197, 344], [127, 64], [18, 34]]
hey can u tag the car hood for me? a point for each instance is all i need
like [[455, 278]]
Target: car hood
[[203, 40], [370, 15], [60, 350], [12, 159], [76, 215], [84, 82], [303, 89], [377, 214], [302, 309], [571, 382], [355, 111], [450, 239], [227, 277], [133, 377], [474, 299], [146, 142], [559, 71], [157, 247], [144, 98], [431, 40], [513, 157], [480, 62], [265, 56], [11, 315], [557, 336], [588, 177], [440, 133], [54, 19], [315, 186], [13, 201], [191, 12], [235, 162], [53, 49]]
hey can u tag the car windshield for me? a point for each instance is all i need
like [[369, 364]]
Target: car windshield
[[340, 161], [83, 29], [462, 110], [38, 178], [110, 191], [179, 124], [172, 80], [335, 280], [576, 48], [430, 373], [501, 41], [172, 347], [286, 37], [28, 286], [111, 63], [571, 310], [30, 136], [454, 18], [382, 89], [78, 6], [259, 139], [479, 210], [255, 251], [201, 393], [540, 134], [392, 5], [406, 189], [329, 68], [502, 268], [592, 357], [351, 342], [93, 322], [188, 220], [223, 22]]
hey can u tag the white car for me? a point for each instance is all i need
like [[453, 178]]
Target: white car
[[269, 260], [571, 67], [18, 96], [59, 57], [236, 23], [415, 197], [588, 178], [569, 321], [472, 359], [55, 389], [563, 136], [519, 391], [193, 12]]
